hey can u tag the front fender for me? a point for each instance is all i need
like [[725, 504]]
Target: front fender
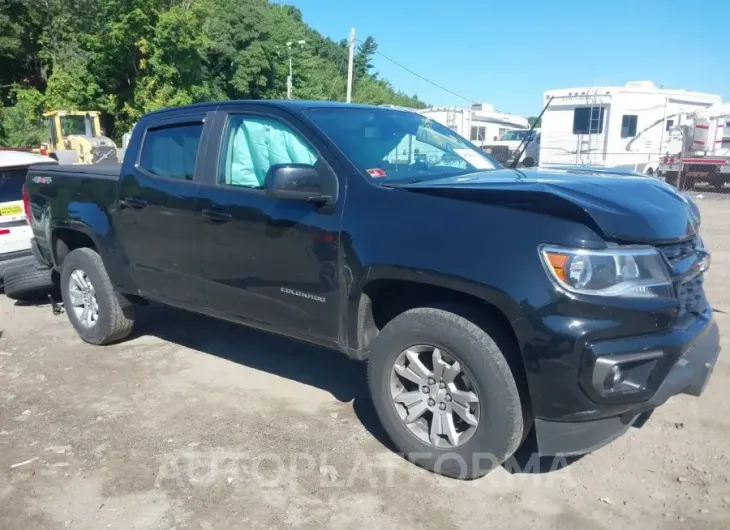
[[358, 304]]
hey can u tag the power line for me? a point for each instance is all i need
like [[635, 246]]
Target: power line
[[421, 77]]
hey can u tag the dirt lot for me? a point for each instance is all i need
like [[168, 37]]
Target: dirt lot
[[196, 423]]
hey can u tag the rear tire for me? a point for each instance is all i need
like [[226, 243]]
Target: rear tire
[[114, 314], [29, 283], [499, 429]]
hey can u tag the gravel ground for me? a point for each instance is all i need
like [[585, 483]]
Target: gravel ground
[[196, 423]]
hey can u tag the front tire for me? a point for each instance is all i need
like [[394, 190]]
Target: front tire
[[94, 309], [445, 393]]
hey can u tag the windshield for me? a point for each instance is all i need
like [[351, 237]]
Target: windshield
[[392, 145], [515, 135], [77, 125]]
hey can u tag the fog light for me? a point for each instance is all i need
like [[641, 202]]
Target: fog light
[[623, 374], [614, 377]]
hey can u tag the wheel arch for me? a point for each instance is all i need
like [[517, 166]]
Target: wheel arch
[[64, 239], [389, 291]]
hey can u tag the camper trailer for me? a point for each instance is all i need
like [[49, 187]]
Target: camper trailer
[[480, 124], [625, 127]]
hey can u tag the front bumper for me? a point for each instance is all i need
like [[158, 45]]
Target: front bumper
[[14, 259], [688, 375]]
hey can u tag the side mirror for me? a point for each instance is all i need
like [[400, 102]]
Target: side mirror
[[298, 182]]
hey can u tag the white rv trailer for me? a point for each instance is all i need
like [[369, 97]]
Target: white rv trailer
[[480, 124], [612, 126]]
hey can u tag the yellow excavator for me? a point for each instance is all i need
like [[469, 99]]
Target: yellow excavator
[[76, 137]]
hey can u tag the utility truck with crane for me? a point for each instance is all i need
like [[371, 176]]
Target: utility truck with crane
[[695, 150]]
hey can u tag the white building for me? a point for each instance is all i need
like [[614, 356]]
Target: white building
[[480, 124], [614, 126]]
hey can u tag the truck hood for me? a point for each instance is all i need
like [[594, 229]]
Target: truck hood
[[621, 206]]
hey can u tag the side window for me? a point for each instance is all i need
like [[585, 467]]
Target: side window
[[628, 125], [670, 124], [253, 144], [171, 151], [588, 120], [474, 134]]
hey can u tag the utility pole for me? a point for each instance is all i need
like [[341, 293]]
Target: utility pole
[[349, 65], [290, 77]]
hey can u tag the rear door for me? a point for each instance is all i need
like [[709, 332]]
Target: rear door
[[159, 227], [15, 233]]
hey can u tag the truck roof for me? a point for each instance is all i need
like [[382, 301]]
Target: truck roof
[[291, 105]]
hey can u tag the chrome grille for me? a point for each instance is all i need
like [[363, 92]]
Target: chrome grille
[[692, 296], [691, 292], [499, 152], [678, 251]]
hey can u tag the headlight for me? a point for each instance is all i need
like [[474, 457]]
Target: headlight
[[634, 273]]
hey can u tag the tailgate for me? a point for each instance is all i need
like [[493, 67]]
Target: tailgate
[[15, 233]]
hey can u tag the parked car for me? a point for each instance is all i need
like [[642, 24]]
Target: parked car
[[487, 302], [14, 230]]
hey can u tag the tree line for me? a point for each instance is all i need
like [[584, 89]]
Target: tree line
[[129, 57]]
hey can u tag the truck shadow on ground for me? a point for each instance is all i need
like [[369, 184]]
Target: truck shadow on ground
[[325, 369]]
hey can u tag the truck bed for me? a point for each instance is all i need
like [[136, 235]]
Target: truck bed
[[71, 194], [104, 171]]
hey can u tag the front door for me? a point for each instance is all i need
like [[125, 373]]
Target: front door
[[159, 225], [265, 259]]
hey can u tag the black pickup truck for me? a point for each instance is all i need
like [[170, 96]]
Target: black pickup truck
[[487, 302]]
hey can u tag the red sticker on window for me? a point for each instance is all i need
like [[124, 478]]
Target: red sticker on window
[[377, 172]]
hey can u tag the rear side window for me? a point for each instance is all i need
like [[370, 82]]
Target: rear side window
[[11, 185], [171, 151]]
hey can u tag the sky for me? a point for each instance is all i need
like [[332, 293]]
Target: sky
[[509, 53]]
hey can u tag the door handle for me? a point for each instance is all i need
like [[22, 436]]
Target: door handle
[[217, 216], [133, 202]]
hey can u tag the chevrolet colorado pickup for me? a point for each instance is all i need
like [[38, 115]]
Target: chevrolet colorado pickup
[[487, 302]]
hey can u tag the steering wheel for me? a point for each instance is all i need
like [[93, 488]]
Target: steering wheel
[[420, 166]]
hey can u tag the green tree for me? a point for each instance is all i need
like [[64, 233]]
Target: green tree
[[362, 62], [128, 57], [21, 123]]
